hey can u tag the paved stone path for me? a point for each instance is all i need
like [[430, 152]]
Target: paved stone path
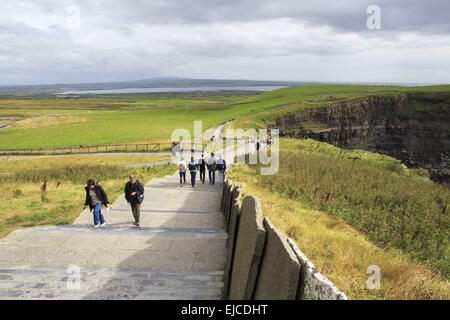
[[179, 253]]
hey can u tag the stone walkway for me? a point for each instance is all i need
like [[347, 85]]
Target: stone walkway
[[179, 253]]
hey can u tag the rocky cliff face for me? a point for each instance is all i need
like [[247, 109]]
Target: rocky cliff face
[[414, 128]]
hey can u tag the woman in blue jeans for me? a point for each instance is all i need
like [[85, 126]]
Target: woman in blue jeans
[[96, 197]]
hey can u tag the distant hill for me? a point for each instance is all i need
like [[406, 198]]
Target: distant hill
[[159, 82]]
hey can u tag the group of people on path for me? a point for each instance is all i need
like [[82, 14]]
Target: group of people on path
[[96, 198], [201, 165]]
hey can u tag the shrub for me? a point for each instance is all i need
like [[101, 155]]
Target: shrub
[[17, 193], [44, 198]]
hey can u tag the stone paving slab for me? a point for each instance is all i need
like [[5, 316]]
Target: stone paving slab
[[163, 220], [58, 295]]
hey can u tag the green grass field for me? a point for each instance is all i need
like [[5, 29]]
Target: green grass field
[[125, 118]]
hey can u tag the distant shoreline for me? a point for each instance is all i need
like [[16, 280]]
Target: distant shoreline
[[174, 89]]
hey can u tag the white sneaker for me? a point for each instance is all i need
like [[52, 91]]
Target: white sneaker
[[103, 224], [96, 226]]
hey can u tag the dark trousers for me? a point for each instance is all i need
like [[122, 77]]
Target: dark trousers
[[136, 209], [202, 175], [182, 176], [193, 175], [212, 176]]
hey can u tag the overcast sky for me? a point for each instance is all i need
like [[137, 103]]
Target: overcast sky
[[59, 41]]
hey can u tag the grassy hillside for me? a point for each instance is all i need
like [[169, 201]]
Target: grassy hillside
[[269, 106], [337, 204]]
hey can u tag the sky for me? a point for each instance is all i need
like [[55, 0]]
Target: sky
[[59, 41]]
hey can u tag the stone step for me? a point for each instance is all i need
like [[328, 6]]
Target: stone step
[[116, 273], [40, 295], [156, 218], [45, 285], [50, 282], [130, 231], [112, 281], [163, 212]]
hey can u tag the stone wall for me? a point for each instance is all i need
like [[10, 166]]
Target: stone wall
[[263, 264]]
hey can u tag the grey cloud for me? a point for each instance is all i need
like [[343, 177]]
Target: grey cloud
[[286, 39], [429, 16]]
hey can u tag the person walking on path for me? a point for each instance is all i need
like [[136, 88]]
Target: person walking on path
[[221, 167], [202, 168], [193, 166], [134, 193], [96, 197], [211, 164], [182, 171]]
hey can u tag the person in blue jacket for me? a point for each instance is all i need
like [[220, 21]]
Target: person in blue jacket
[[221, 168]]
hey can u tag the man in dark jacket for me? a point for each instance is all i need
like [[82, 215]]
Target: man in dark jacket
[[202, 167], [134, 193], [96, 197], [193, 167]]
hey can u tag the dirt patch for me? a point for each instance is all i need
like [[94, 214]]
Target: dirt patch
[[46, 121]]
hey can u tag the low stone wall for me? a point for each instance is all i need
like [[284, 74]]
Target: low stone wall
[[261, 263], [313, 285], [280, 269], [231, 228], [248, 250]]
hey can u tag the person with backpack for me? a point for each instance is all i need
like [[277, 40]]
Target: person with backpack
[[182, 171], [221, 167], [134, 194], [202, 168], [193, 166], [96, 197], [211, 164]]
